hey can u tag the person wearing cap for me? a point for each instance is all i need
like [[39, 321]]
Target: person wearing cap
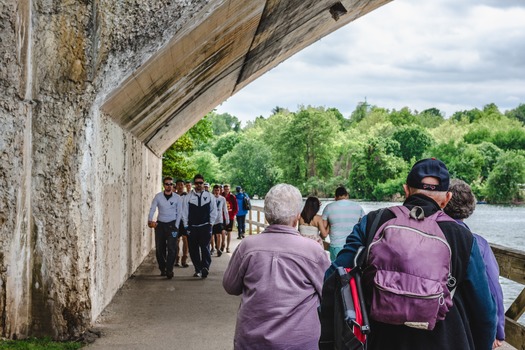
[[279, 276], [207, 186], [470, 323], [241, 214]]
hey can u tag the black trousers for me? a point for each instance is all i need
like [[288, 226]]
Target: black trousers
[[166, 245], [199, 245]]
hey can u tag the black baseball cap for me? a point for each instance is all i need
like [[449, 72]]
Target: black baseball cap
[[430, 167]]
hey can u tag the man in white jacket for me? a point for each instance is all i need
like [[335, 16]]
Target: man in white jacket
[[169, 205]]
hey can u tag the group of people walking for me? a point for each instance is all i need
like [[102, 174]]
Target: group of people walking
[[198, 219], [279, 274]]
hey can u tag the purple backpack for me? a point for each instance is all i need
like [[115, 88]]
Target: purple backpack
[[408, 268]]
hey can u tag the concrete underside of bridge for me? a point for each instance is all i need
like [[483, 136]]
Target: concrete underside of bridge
[[92, 93]]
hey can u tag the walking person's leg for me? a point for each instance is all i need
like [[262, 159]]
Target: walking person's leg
[[204, 239], [193, 245], [160, 247], [172, 253], [241, 221], [185, 250]]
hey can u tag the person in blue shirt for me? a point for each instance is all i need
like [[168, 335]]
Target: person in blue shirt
[[241, 214], [460, 207]]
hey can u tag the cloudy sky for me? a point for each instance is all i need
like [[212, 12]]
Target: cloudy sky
[[448, 54]]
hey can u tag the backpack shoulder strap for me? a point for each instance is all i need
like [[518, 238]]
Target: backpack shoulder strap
[[362, 255]]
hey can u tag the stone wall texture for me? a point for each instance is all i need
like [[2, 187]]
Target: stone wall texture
[[74, 187]]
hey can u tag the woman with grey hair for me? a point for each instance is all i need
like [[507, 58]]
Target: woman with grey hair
[[279, 276], [460, 207]]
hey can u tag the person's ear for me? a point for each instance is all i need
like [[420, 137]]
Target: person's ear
[[448, 197], [407, 190]]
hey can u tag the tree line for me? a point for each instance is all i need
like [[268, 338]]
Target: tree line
[[370, 152]]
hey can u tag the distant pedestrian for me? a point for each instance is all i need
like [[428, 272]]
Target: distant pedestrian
[[241, 214], [340, 217], [279, 275], [169, 206], [222, 218], [188, 186], [460, 207], [199, 213], [310, 223], [181, 259], [233, 208]]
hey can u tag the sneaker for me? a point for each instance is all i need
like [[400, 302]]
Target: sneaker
[[212, 251], [204, 272], [177, 264], [185, 265], [239, 237], [169, 275], [163, 273], [227, 250], [219, 253], [197, 274]]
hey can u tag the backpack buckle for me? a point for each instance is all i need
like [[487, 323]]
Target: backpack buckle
[[417, 213]]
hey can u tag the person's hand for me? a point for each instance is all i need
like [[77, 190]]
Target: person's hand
[[152, 224], [497, 343]]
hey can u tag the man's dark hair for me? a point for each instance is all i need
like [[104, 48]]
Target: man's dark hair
[[167, 178], [463, 201], [216, 186], [340, 191], [198, 176], [179, 180]]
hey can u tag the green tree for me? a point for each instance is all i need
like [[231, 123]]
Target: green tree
[[225, 143], [517, 113], [207, 164], [503, 184], [403, 117], [223, 123], [413, 141], [250, 165], [513, 139], [373, 166], [175, 161], [431, 118]]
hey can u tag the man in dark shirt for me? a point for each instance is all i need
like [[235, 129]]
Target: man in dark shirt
[[198, 214]]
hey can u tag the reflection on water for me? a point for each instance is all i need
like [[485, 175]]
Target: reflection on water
[[503, 225]]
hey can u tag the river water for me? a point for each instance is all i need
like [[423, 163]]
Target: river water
[[502, 225]]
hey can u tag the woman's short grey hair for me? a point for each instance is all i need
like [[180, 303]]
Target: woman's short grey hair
[[282, 204], [463, 201]]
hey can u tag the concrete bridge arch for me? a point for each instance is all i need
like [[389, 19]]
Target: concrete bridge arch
[[93, 92]]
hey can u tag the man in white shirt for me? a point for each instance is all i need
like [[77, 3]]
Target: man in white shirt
[[169, 206]]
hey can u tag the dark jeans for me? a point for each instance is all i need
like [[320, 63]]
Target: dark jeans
[[241, 225], [165, 245], [199, 244]]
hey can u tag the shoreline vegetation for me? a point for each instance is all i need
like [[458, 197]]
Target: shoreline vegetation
[[369, 152]]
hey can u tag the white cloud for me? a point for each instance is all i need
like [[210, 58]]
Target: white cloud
[[452, 55]]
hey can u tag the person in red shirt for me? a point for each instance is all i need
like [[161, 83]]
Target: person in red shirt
[[233, 208]]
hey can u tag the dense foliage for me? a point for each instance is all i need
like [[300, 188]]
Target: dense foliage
[[370, 152]]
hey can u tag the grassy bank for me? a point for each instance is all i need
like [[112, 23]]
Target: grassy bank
[[38, 344]]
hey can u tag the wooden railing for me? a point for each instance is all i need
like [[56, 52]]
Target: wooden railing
[[256, 220], [512, 266]]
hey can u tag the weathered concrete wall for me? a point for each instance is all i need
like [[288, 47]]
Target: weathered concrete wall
[[74, 187]]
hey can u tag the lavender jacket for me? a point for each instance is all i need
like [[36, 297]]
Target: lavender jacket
[[279, 274], [491, 265]]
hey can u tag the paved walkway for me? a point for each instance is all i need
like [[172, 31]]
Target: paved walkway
[[152, 312]]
